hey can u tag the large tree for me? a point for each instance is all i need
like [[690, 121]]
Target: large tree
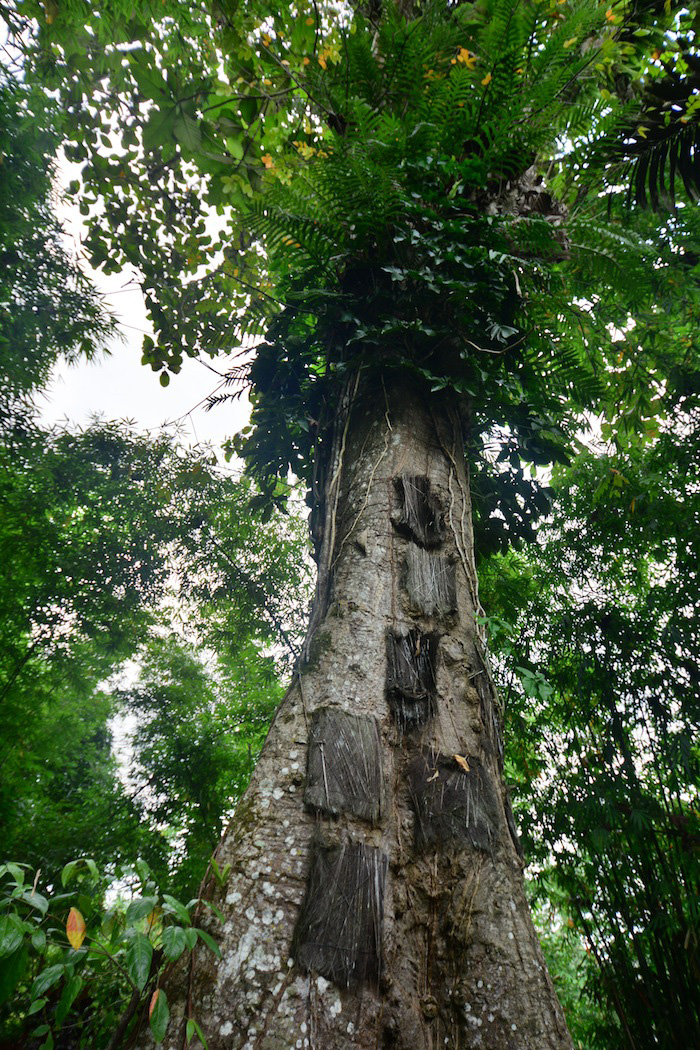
[[402, 233]]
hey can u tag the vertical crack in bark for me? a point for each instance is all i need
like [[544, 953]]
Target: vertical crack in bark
[[331, 499]]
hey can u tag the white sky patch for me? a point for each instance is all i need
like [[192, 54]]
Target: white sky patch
[[118, 386]]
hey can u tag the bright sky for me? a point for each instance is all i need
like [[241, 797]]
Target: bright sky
[[119, 387]]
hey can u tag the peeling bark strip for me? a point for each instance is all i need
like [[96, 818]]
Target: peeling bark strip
[[419, 515], [451, 804], [429, 581], [339, 931], [410, 679], [344, 765]]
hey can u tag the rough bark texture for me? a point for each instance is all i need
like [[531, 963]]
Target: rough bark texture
[[395, 921]]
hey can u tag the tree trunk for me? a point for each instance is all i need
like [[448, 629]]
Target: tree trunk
[[375, 897]]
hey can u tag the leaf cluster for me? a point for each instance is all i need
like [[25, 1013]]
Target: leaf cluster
[[68, 957], [600, 684]]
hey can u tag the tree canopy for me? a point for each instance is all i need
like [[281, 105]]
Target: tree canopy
[[429, 186]]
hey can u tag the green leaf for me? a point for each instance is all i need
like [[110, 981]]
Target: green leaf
[[92, 868], [138, 959], [46, 979], [11, 934], [12, 969], [174, 907], [69, 871], [159, 129], [37, 1005], [190, 938], [139, 908], [159, 1015], [212, 907], [39, 940], [36, 900], [187, 132], [210, 942], [71, 990], [15, 870], [193, 1028], [174, 942], [142, 869]]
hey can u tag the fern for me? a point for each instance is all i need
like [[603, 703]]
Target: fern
[[416, 236]]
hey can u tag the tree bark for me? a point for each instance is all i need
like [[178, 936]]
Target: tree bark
[[375, 898]]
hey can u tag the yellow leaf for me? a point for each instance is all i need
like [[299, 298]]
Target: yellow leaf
[[611, 16], [487, 80], [310, 21], [462, 763], [435, 775], [467, 57], [154, 1000], [306, 60], [75, 928], [568, 43], [266, 40], [322, 62], [268, 161]]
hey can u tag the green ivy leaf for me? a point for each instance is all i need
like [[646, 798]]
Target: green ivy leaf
[[138, 959], [210, 942], [174, 907], [46, 979], [71, 990], [174, 942], [139, 908]]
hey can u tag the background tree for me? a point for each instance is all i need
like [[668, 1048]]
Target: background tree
[[106, 532], [601, 696], [47, 307]]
